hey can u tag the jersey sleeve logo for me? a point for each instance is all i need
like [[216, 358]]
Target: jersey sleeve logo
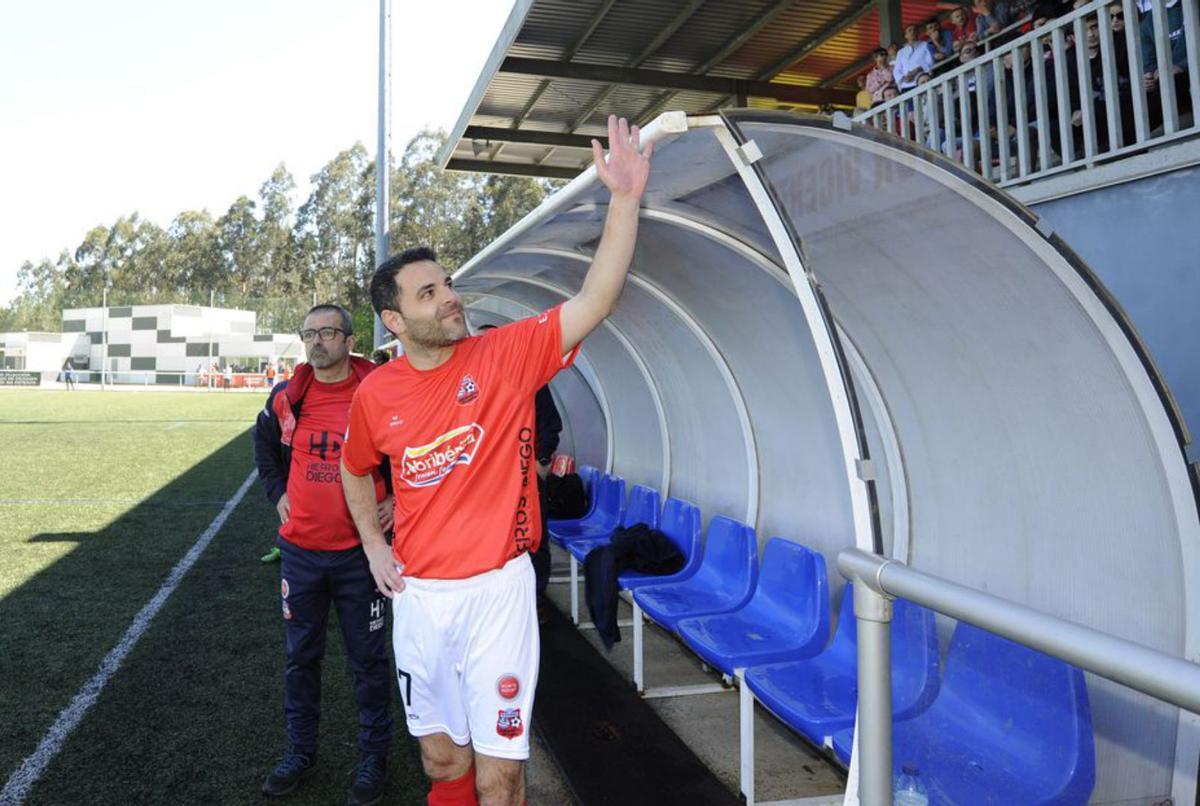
[[426, 465]]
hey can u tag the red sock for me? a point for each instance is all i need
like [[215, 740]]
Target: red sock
[[459, 792]]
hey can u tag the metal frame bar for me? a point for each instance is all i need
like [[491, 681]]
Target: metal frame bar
[[877, 580]]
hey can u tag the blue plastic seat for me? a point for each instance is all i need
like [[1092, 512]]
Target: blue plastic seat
[[681, 524], [724, 581], [589, 476], [645, 506], [787, 618], [817, 697], [1009, 725], [610, 506]]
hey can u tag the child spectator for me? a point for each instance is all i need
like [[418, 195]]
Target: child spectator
[[863, 99]]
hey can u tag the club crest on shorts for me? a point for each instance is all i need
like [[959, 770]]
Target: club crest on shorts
[[509, 724], [287, 611], [508, 686], [468, 390], [283, 588]]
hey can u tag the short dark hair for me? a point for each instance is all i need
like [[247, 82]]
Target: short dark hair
[[347, 321], [879, 52], [384, 288]]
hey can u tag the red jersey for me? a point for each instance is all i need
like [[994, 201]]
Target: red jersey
[[319, 518], [461, 443]]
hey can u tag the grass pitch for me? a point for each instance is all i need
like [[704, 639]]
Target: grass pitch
[[103, 493]]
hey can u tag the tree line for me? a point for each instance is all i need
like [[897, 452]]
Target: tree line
[[264, 254]]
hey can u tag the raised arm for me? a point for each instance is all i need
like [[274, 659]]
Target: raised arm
[[624, 174]]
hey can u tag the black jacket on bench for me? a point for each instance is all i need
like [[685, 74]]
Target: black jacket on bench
[[636, 547]]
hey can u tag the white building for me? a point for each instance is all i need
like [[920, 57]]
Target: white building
[[37, 352], [168, 344]]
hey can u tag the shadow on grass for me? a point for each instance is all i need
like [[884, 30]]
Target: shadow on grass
[[194, 715]]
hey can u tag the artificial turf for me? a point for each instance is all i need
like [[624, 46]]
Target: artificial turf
[[103, 494]]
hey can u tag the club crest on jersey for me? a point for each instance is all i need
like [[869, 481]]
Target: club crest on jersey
[[426, 465], [468, 390], [508, 686], [509, 724]]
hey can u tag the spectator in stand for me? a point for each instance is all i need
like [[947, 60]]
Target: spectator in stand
[[893, 49], [880, 75], [1124, 95], [1152, 71], [940, 40], [962, 28], [914, 58], [991, 17], [1116, 13], [862, 99], [1029, 104]]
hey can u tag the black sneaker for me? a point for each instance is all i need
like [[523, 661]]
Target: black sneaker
[[369, 780], [289, 773]]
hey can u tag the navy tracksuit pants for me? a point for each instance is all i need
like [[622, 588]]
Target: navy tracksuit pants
[[311, 580]]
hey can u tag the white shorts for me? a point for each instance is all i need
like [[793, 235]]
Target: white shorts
[[467, 654]]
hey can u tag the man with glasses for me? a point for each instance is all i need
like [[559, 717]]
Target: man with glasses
[[297, 448]]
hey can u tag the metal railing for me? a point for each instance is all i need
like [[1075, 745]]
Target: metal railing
[[877, 581], [1051, 101], [146, 379]]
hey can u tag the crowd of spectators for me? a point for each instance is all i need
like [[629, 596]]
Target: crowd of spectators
[[962, 35]]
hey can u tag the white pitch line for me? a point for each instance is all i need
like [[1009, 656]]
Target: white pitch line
[[31, 769]]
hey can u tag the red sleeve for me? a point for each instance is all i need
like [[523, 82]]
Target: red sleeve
[[359, 452], [530, 351]]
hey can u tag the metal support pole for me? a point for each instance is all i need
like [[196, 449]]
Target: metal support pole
[[639, 663], [891, 27], [382, 192], [574, 591], [873, 611], [104, 335], [746, 734]]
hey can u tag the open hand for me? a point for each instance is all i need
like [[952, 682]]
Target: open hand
[[388, 578], [283, 508], [627, 168]]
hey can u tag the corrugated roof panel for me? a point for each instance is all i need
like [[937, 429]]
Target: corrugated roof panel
[[628, 29], [553, 27], [703, 36]]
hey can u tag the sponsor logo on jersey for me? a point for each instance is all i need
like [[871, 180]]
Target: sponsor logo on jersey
[[509, 724], [426, 465], [468, 390], [283, 588], [509, 686]]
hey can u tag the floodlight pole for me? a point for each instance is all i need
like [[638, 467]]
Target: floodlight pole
[[382, 195], [104, 334]]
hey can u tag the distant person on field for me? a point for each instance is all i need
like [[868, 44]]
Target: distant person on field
[[297, 449], [270, 373], [69, 374], [228, 377]]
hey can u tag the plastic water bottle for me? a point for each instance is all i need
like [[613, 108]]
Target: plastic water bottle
[[910, 791]]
